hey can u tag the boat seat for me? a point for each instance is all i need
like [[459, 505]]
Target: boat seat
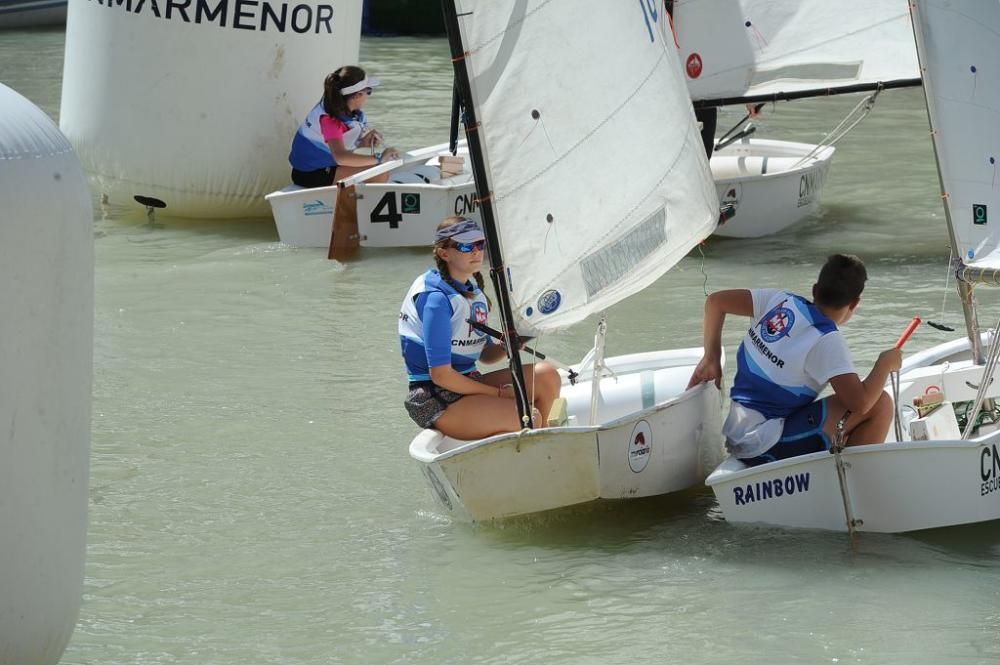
[[738, 166]]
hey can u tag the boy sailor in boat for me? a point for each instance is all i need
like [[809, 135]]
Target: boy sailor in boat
[[440, 348], [790, 353]]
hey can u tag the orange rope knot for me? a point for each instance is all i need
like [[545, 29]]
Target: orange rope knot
[[460, 58], [479, 201]]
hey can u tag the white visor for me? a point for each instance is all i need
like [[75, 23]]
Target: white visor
[[359, 86], [467, 230]]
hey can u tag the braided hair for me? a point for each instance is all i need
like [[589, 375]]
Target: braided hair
[[333, 101], [442, 265]]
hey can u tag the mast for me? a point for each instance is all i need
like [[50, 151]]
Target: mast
[[463, 94], [965, 287]]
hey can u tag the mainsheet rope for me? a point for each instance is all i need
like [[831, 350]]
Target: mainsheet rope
[[992, 356]]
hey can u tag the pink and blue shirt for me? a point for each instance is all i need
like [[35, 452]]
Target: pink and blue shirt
[[310, 151]]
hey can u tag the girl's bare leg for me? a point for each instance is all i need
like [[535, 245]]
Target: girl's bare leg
[[479, 416], [542, 383]]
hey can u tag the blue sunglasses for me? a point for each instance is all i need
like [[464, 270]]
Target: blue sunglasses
[[466, 247]]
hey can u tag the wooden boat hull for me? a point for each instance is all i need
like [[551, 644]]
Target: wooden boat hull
[[653, 438], [892, 487]]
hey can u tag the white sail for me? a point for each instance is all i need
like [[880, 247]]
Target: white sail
[[750, 48], [598, 175], [958, 43]]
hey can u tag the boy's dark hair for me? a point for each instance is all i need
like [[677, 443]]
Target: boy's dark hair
[[841, 280]]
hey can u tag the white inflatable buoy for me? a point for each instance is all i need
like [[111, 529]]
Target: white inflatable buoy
[[193, 103], [46, 365]]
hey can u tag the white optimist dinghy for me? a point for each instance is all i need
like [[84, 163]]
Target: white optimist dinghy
[[424, 187], [565, 242], [770, 184], [738, 52], [941, 468]]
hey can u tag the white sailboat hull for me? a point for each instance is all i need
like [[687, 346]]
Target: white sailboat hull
[[760, 177], [400, 213], [772, 184], [892, 487], [653, 438]]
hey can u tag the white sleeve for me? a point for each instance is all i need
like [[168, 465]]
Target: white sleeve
[[761, 297], [828, 358]]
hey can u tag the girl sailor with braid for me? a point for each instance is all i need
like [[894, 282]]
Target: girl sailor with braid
[[440, 348], [323, 147]]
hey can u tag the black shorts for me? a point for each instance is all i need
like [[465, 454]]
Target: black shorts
[[311, 179], [426, 401]]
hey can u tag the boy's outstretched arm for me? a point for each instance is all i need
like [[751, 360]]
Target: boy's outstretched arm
[[860, 396], [717, 305]]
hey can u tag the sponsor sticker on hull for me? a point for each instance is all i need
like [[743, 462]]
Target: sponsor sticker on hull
[[640, 446]]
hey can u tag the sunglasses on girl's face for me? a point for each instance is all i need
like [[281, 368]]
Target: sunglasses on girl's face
[[466, 247], [368, 91]]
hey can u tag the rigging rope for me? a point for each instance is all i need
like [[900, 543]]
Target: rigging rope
[[993, 354], [704, 284], [839, 132]]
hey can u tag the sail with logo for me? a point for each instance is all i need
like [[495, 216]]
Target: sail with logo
[[941, 466], [544, 109], [739, 52]]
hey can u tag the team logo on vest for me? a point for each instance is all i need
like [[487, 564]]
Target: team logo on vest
[[777, 323], [479, 315]]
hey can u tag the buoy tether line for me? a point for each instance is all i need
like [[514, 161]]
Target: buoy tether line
[[151, 205]]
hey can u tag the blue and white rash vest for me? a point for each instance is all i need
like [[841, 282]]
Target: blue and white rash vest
[[309, 149], [789, 354], [433, 307]]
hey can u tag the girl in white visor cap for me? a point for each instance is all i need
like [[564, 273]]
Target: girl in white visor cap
[[441, 348], [323, 147]]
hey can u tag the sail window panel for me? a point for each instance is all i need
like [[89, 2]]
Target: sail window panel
[[612, 263]]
